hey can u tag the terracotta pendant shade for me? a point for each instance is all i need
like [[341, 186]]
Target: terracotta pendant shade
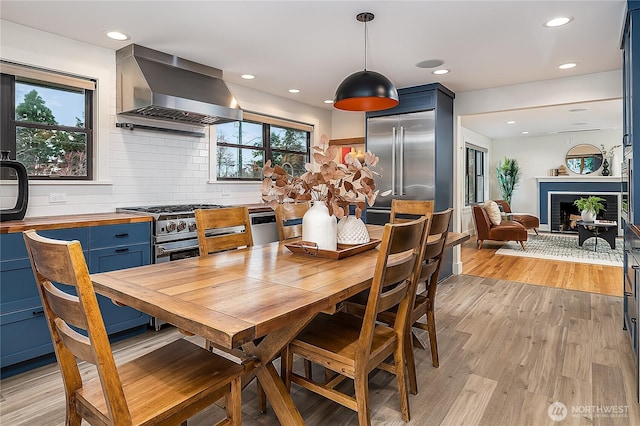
[[365, 90]]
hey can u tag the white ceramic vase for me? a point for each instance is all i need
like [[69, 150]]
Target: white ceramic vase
[[319, 227], [352, 230], [587, 216]]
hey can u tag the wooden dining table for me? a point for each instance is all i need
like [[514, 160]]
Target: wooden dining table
[[252, 301]]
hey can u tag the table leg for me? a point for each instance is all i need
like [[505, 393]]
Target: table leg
[[273, 386]]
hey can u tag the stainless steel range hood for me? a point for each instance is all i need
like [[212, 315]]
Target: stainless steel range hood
[[160, 86]]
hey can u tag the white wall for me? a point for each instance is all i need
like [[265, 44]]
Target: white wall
[[536, 155], [139, 167], [346, 124]]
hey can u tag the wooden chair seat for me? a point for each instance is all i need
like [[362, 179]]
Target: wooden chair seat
[[166, 386], [181, 370]]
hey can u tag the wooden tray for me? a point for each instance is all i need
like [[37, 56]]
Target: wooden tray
[[344, 250]]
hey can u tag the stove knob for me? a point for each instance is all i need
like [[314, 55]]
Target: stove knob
[[192, 227], [171, 226], [181, 225]]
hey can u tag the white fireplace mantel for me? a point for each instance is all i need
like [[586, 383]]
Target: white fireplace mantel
[[578, 178]]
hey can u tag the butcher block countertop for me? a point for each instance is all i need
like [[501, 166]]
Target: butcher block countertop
[[70, 221]]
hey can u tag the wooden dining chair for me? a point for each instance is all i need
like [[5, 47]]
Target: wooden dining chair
[[352, 346], [166, 386], [424, 300], [406, 210], [223, 229], [288, 213]]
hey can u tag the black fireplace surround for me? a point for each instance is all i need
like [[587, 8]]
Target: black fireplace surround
[[564, 212]]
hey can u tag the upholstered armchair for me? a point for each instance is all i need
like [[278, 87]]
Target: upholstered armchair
[[527, 220], [506, 230]]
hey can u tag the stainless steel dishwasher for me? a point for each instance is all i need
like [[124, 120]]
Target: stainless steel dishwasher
[[264, 227]]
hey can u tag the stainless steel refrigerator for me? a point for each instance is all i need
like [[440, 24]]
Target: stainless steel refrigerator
[[406, 146]]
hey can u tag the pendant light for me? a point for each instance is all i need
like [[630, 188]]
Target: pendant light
[[365, 90]]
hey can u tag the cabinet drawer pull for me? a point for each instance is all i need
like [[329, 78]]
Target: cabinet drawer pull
[[635, 267], [122, 235], [122, 250], [38, 312], [633, 320], [628, 293]]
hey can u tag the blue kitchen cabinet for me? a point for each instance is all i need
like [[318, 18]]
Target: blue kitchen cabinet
[[115, 247], [25, 342]]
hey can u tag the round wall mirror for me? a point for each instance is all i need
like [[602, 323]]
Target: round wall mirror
[[584, 159]]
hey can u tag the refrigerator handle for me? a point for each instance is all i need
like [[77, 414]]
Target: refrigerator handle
[[393, 160], [401, 162]]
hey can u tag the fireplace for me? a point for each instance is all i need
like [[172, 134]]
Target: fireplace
[[564, 213]]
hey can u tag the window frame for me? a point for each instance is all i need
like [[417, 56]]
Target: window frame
[[266, 148], [477, 177], [12, 73]]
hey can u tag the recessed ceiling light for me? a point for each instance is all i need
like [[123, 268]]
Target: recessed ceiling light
[[580, 124], [328, 101], [294, 90], [248, 76], [525, 133], [556, 22], [568, 65], [578, 109], [511, 122], [116, 35], [440, 72], [430, 63]]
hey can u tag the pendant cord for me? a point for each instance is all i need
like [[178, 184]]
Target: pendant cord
[[365, 45]]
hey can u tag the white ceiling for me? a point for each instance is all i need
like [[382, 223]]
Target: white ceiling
[[314, 45]]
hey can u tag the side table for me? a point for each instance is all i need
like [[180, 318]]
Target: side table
[[605, 230]]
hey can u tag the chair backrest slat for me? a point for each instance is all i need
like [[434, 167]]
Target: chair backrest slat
[[223, 229], [408, 210], [288, 213], [78, 344]]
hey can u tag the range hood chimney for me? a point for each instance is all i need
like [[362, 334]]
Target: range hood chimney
[[160, 86]]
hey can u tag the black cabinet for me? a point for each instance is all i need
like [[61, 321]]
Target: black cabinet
[[24, 334]]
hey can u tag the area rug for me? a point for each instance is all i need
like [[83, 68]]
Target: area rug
[[564, 247]]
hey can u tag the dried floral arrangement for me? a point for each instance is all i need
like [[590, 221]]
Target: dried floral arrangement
[[338, 185], [608, 154]]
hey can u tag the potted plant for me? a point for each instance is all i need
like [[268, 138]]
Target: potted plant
[[589, 207], [508, 173]]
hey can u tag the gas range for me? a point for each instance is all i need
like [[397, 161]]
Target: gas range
[[171, 222]]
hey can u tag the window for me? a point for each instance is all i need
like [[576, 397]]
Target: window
[[475, 170], [244, 146], [47, 122]]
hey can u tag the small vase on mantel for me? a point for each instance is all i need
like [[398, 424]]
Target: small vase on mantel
[[319, 227], [605, 168]]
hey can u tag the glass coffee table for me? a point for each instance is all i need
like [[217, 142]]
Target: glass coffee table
[[607, 230]]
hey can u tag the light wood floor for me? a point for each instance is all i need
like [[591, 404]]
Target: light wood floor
[[483, 262], [507, 351]]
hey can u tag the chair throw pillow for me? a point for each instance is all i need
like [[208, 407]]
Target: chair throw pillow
[[493, 212]]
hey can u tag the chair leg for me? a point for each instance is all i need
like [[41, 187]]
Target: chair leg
[[399, 361], [262, 398], [522, 244], [479, 244], [361, 384], [411, 363], [308, 372], [234, 402], [536, 231], [433, 340]]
